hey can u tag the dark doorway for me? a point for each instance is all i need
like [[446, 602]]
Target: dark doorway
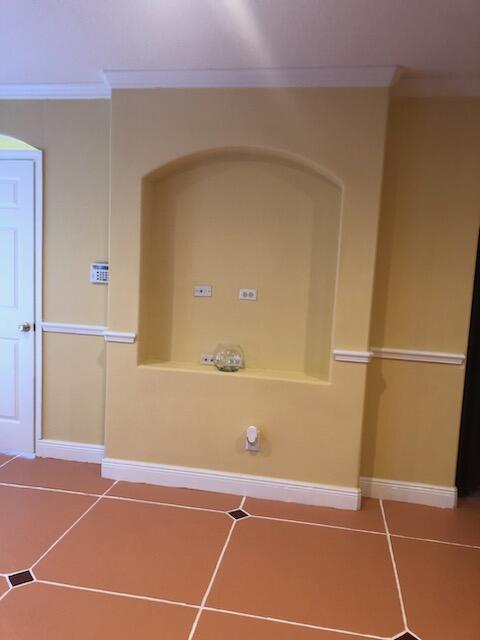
[[468, 465]]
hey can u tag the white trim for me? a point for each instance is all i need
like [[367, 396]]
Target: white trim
[[119, 336], [430, 494], [78, 329], [88, 330], [36, 156], [367, 76], [411, 355], [362, 357], [426, 87], [71, 91], [76, 451], [236, 483]]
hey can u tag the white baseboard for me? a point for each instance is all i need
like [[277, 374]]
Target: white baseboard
[[428, 494], [236, 483], [75, 451], [16, 452]]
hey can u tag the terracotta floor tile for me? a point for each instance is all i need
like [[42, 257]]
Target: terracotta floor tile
[[219, 626], [172, 495], [4, 458], [441, 589], [56, 613], [328, 577], [55, 474], [3, 585], [451, 525], [141, 549], [368, 518], [31, 521]]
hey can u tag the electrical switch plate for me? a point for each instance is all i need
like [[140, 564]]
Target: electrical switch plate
[[248, 294], [202, 290]]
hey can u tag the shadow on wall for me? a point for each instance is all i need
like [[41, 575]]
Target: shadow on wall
[[376, 383]]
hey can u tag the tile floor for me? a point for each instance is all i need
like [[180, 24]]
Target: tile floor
[[85, 558]]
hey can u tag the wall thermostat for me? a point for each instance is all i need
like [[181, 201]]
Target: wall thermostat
[[99, 273]]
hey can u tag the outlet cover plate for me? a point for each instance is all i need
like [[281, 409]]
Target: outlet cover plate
[[247, 294], [202, 290]]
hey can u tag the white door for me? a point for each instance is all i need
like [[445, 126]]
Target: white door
[[17, 292]]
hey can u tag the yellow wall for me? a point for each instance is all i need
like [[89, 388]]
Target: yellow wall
[[279, 234], [73, 387], [312, 431], [424, 275], [74, 136]]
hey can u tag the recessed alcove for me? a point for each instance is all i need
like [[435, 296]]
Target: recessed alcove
[[235, 219]]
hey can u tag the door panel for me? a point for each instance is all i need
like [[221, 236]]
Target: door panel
[[9, 378], [16, 305]]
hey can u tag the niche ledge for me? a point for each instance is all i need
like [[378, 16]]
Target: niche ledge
[[255, 374]]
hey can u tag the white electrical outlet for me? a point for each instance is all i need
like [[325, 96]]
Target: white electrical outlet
[[252, 440], [248, 294], [207, 358], [202, 290]]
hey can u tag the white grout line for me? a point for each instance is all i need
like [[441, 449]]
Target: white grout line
[[394, 565], [164, 504], [295, 624], [27, 486], [10, 460], [214, 575], [105, 495], [6, 593], [452, 544], [207, 509], [117, 593], [69, 529], [317, 524]]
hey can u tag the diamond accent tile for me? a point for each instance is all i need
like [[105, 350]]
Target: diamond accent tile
[[238, 514], [407, 636], [22, 577]]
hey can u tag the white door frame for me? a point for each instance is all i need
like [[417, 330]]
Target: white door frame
[[36, 156]]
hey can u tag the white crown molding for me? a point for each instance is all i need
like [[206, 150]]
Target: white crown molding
[[368, 76], [77, 329], [435, 357], [76, 451], [119, 336], [89, 330], [236, 483], [360, 357], [418, 493], [437, 87], [72, 91]]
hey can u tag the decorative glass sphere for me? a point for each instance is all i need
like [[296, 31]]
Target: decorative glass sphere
[[229, 357]]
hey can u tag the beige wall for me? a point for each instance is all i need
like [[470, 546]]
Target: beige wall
[[74, 136], [312, 431], [424, 273], [73, 387], [424, 276]]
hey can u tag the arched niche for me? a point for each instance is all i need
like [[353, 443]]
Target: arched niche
[[239, 219]]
